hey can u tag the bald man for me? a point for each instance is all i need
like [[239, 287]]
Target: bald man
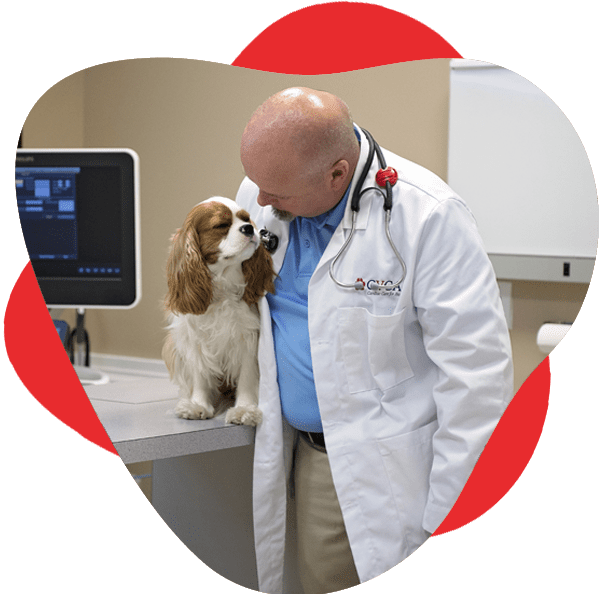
[[377, 401], [301, 150]]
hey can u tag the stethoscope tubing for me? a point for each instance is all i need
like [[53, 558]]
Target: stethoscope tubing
[[373, 148]]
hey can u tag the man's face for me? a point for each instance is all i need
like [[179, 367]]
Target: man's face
[[288, 205]]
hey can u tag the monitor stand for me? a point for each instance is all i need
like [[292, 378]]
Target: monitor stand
[[80, 342]]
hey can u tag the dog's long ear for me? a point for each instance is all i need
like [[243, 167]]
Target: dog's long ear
[[189, 280], [259, 275]]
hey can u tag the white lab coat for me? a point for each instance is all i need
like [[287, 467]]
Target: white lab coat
[[410, 383]]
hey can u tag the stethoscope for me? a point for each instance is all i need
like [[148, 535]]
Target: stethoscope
[[386, 177]]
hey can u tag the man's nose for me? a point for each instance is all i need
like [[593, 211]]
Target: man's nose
[[265, 200]]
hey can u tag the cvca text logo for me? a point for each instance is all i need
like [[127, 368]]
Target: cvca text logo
[[371, 287]]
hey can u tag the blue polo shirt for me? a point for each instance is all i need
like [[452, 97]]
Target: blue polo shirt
[[308, 238]]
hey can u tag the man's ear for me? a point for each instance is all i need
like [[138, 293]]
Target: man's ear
[[338, 174]]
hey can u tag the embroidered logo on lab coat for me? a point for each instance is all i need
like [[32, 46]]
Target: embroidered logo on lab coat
[[371, 288]]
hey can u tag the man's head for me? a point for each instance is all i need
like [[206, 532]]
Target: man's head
[[300, 149]]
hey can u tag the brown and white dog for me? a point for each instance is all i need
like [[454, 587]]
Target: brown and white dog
[[217, 271]]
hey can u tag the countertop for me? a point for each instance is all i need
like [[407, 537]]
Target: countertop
[[138, 415]]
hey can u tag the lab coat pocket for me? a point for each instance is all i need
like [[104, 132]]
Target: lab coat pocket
[[373, 349], [408, 460]]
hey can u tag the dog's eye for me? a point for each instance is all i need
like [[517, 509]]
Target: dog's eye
[[222, 226]]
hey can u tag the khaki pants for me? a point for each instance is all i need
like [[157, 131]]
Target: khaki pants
[[324, 557]]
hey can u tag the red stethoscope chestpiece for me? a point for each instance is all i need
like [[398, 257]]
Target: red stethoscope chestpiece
[[386, 175]]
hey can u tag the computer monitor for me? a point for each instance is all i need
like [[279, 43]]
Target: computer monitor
[[79, 211]]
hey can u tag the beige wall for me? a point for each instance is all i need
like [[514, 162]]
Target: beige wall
[[57, 118], [185, 118]]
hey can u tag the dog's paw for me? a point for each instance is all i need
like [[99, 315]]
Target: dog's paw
[[244, 416], [188, 410]]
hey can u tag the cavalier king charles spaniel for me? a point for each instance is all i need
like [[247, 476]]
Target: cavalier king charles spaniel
[[217, 271]]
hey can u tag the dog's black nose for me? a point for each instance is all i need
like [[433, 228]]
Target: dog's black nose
[[247, 230]]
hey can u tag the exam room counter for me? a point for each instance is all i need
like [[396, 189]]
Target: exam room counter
[[138, 416], [201, 471]]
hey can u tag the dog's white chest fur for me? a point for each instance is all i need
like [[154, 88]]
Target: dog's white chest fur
[[218, 339]]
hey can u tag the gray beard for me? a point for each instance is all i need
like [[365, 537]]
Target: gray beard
[[283, 215]]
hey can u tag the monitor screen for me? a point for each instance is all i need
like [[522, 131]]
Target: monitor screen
[[79, 211]]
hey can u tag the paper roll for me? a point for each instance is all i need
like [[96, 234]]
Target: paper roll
[[550, 334]]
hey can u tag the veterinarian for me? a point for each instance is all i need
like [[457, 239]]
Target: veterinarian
[[377, 403]]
